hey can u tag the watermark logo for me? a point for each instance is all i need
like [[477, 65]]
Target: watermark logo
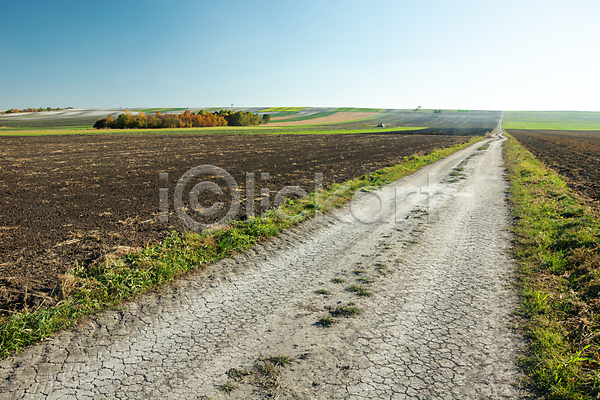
[[371, 213], [208, 213]]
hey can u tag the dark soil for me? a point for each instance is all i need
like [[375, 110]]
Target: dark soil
[[76, 199], [573, 154]]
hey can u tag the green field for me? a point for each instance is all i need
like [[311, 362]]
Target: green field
[[552, 120]]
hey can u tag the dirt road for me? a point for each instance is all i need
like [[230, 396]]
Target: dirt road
[[435, 326]]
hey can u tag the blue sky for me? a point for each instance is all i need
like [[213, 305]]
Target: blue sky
[[509, 55]]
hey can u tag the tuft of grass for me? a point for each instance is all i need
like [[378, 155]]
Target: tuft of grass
[[359, 290], [322, 291], [338, 280], [347, 311], [359, 271], [279, 361], [86, 292], [266, 375], [228, 387], [327, 321], [558, 253], [365, 280], [234, 373]]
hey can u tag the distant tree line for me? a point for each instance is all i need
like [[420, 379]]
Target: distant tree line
[[32, 109], [186, 120]]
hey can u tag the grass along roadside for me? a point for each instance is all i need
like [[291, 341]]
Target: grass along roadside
[[557, 248], [88, 292]]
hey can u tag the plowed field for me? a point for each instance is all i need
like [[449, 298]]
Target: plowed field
[[574, 154]]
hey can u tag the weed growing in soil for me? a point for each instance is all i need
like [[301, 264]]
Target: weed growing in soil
[[347, 311], [338, 280], [88, 292], [327, 320], [359, 271], [228, 387], [322, 291], [365, 280], [558, 255], [266, 375], [359, 290], [279, 361], [418, 213], [234, 373]]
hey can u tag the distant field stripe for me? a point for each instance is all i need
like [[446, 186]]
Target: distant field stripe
[[277, 109], [552, 120], [344, 109], [42, 128], [241, 130], [557, 126], [284, 113], [162, 110], [359, 120], [311, 116]]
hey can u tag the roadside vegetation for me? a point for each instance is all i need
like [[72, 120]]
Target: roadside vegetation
[[557, 246], [185, 120], [85, 292]]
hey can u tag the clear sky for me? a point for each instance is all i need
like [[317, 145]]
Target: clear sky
[[501, 55]]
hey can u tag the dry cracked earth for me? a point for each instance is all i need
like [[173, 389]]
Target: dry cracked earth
[[431, 249]]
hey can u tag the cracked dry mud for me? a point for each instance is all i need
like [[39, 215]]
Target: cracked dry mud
[[436, 326]]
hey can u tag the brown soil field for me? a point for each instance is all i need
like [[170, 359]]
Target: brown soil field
[[81, 198], [573, 154], [337, 117]]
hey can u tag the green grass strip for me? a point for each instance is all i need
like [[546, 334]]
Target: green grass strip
[[557, 248], [255, 130], [87, 292]]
